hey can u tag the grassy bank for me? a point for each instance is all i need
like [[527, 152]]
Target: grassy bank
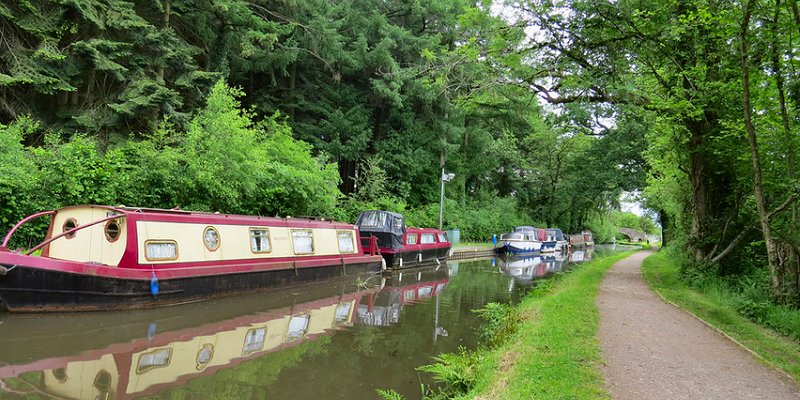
[[554, 352], [718, 307]]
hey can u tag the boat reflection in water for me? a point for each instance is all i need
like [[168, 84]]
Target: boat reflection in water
[[528, 268], [32, 362], [401, 288]]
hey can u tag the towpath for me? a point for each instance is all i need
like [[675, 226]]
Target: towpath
[[653, 350]]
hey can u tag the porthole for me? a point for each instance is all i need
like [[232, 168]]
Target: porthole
[[102, 381], [112, 231], [60, 374], [69, 225], [211, 238]]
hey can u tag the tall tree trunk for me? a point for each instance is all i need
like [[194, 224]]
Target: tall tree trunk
[[697, 171], [777, 72], [766, 229]]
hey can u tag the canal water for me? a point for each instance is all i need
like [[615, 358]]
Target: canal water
[[337, 340]]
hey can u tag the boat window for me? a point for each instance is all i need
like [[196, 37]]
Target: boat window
[[425, 291], [428, 238], [60, 374], [102, 381], [211, 238], [411, 238], [511, 236], [205, 355], [346, 242], [154, 359], [69, 225], [161, 250], [254, 340], [298, 326], [342, 313], [303, 240], [112, 231], [259, 240], [442, 237]]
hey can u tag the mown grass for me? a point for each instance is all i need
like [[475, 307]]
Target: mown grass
[[555, 353], [718, 307]]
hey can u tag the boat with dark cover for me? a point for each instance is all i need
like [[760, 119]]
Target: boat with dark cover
[[403, 246]]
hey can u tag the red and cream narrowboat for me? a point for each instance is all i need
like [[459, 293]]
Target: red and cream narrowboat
[[102, 257], [400, 245]]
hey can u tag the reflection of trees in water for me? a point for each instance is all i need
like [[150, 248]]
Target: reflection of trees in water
[[368, 339]]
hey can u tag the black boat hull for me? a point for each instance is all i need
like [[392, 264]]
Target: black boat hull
[[27, 289]]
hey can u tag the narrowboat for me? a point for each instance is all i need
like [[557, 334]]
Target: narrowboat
[[400, 288], [104, 258], [403, 246], [554, 241], [522, 240], [157, 359]]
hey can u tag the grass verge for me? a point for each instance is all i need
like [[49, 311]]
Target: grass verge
[[555, 352], [718, 309]]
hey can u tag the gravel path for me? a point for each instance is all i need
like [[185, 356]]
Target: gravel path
[[654, 350]]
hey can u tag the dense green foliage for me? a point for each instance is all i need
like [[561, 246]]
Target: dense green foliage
[[118, 102], [732, 305]]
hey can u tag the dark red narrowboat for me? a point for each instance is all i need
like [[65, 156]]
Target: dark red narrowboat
[[400, 245], [104, 258]]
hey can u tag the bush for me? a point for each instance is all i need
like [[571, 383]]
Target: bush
[[223, 162]]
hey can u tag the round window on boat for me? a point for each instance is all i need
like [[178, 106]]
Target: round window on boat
[[211, 238], [60, 374], [112, 231], [69, 225]]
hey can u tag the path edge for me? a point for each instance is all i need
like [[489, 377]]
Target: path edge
[[752, 352]]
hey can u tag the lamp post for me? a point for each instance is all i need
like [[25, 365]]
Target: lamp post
[[445, 178]]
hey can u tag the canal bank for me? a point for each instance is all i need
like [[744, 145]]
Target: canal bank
[[464, 252]]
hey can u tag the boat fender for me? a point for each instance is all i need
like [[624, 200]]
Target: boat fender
[[419, 257], [151, 330], [383, 264], [3, 270], [154, 285], [401, 261]]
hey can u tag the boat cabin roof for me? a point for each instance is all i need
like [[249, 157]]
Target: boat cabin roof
[[381, 221]]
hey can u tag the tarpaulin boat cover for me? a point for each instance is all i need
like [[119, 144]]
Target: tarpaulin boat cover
[[556, 233], [387, 226]]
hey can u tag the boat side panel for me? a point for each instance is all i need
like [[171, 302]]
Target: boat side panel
[[234, 242], [89, 244]]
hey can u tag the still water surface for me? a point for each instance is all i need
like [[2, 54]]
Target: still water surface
[[338, 340]]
